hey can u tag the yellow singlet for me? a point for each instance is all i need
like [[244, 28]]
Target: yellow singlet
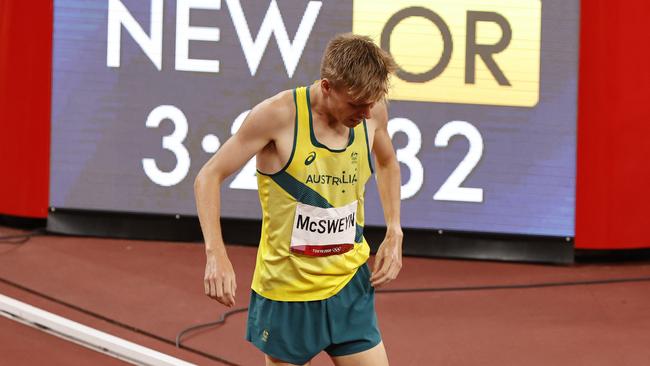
[[312, 227]]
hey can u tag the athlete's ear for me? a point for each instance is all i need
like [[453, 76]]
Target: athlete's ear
[[325, 86]]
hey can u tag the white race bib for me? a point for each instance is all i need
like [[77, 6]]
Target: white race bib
[[324, 231]]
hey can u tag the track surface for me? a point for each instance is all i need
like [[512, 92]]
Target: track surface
[[147, 292]]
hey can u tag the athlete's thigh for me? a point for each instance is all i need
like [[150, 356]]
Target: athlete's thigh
[[270, 361], [375, 356]]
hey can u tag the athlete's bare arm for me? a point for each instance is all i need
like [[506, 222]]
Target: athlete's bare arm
[[265, 124], [388, 260]]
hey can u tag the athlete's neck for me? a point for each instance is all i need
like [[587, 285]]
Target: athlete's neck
[[321, 111]]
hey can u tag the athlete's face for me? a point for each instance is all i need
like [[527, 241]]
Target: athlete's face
[[346, 109]]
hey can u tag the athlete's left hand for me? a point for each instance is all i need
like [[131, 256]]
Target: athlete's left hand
[[388, 261]]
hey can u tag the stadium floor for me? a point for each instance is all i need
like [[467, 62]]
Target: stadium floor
[[473, 313]]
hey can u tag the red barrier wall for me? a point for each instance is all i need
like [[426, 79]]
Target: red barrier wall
[[25, 79], [613, 178]]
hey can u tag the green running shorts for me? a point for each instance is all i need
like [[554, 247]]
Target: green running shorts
[[295, 332]]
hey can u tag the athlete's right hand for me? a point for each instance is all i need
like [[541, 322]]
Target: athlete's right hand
[[219, 280]]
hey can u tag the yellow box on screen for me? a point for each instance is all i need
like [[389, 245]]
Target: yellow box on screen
[[458, 51]]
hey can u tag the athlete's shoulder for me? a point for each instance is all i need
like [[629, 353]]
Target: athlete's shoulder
[[275, 112], [278, 109]]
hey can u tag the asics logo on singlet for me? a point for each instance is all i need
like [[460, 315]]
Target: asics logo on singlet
[[310, 158]]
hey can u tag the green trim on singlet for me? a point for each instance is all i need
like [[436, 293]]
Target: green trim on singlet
[[358, 237], [295, 141], [298, 190], [312, 135], [365, 130]]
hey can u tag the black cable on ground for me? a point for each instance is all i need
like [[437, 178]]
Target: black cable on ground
[[518, 286], [207, 325], [21, 238], [442, 289]]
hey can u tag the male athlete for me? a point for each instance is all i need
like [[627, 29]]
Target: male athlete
[[312, 289]]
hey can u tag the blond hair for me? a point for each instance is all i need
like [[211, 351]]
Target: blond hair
[[356, 63]]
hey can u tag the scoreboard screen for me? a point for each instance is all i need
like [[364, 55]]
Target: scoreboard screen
[[482, 110]]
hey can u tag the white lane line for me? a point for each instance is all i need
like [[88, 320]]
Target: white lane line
[[85, 336]]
